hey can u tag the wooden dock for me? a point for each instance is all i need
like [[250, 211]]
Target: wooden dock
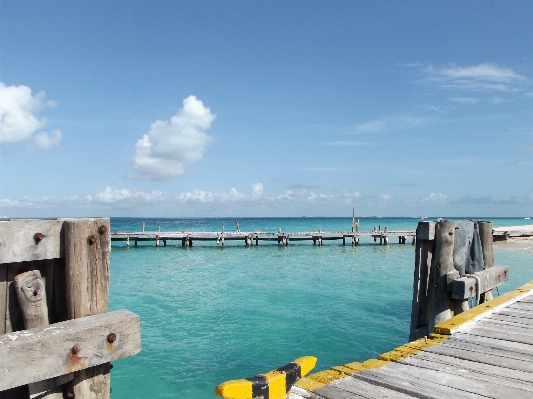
[[485, 352], [187, 238]]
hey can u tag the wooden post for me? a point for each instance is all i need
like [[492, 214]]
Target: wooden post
[[128, 241], [343, 239], [386, 240], [164, 242], [485, 234], [31, 294], [87, 247], [423, 255], [439, 298], [143, 227], [256, 240], [157, 241]]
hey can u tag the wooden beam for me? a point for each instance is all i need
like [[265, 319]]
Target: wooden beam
[[58, 349], [466, 287], [26, 240]]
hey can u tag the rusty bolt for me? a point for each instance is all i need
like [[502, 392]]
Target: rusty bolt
[[75, 349], [91, 240], [450, 233], [71, 395], [37, 237], [102, 230], [111, 338]]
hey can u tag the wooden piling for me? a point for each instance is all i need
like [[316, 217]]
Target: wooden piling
[[440, 301], [485, 234], [87, 275]]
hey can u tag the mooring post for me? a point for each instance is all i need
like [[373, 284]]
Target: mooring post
[[485, 234], [425, 247], [440, 300], [157, 241], [128, 241]]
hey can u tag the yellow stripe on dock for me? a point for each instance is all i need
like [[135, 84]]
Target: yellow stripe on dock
[[462, 320]]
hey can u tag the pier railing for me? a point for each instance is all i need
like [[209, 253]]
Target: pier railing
[[56, 335]]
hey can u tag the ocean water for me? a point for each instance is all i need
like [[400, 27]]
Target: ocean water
[[210, 314]]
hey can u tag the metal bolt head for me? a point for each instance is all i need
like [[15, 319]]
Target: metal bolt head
[[102, 230], [91, 240], [37, 238], [71, 395], [111, 338], [75, 349]]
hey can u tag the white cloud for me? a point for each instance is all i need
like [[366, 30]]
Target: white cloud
[[466, 100], [170, 147], [39, 202], [45, 141], [110, 196], [18, 117], [257, 190], [392, 123], [484, 77]]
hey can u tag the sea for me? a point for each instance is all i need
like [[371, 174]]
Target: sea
[[211, 314]]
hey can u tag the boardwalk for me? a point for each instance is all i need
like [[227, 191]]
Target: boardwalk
[[486, 352]]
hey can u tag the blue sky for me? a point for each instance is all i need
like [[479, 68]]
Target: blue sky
[[271, 108]]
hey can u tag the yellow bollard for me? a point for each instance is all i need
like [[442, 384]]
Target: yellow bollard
[[273, 385]]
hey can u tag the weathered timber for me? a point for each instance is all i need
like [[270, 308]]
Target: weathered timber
[[3, 298], [467, 287], [26, 240], [419, 309], [439, 299], [58, 349], [487, 238], [425, 231], [31, 294], [87, 276]]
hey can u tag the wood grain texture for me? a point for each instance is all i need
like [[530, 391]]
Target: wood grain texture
[[3, 298], [44, 352], [17, 242], [439, 299], [467, 287], [31, 295], [352, 388], [87, 291]]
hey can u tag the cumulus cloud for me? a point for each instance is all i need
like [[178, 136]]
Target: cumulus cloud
[[171, 146], [18, 117]]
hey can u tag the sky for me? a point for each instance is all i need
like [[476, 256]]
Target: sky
[[266, 108]]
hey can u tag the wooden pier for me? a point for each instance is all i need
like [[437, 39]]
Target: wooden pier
[[253, 238], [485, 352]]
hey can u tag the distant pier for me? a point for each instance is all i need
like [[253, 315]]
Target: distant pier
[[187, 238]]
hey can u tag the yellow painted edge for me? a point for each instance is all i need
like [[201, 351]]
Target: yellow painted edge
[[235, 389], [307, 363], [462, 320], [322, 378]]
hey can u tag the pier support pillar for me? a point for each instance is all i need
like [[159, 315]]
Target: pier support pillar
[[386, 240], [157, 241], [127, 242]]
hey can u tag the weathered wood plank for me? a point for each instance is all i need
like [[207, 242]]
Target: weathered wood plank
[[523, 314], [466, 287], [26, 240], [87, 247], [495, 343], [476, 346], [486, 237], [40, 353], [497, 333], [523, 322], [352, 388], [438, 361], [488, 358], [460, 382], [502, 326], [417, 387], [491, 375]]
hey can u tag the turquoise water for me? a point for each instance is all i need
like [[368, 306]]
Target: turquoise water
[[210, 314]]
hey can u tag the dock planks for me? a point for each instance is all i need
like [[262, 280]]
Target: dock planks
[[491, 358]]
